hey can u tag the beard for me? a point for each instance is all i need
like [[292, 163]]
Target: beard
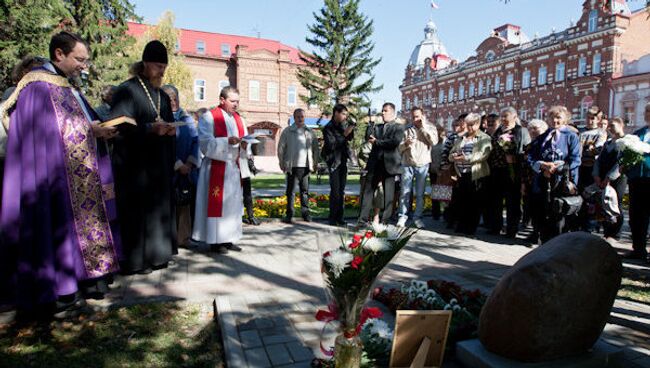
[[156, 82]]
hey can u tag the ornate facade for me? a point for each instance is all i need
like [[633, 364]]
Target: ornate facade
[[575, 67]]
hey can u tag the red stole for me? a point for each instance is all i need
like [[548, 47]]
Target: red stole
[[218, 168]]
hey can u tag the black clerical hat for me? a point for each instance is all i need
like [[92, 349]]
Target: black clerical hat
[[155, 52]]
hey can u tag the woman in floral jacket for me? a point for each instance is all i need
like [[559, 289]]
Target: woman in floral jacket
[[469, 155]]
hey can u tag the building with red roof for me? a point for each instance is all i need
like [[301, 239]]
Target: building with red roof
[[264, 71]]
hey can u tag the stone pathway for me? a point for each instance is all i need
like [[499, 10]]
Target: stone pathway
[[267, 295]]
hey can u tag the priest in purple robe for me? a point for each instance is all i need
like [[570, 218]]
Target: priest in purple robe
[[58, 210]]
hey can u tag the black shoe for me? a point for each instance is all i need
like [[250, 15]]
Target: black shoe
[[146, 271], [218, 248], [307, 218], [253, 221], [233, 247], [287, 220], [635, 255], [511, 234]]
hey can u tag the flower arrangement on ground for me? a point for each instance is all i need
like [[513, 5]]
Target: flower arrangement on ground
[[439, 295], [633, 150], [349, 272]]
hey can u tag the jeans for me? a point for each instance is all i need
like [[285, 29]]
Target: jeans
[[419, 173], [298, 175], [338, 178]]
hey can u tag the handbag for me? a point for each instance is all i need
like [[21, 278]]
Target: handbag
[[567, 201], [441, 193], [182, 190]]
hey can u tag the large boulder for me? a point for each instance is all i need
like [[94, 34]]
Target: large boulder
[[554, 302]]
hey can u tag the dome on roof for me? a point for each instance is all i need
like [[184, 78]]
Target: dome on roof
[[429, 47]]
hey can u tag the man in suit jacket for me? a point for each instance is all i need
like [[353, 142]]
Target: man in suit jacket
[[384, 162]]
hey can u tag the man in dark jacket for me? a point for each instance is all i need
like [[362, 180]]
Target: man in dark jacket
[[336, 150], [384, 162]]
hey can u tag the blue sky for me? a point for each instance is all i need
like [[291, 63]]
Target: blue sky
[[399, 25]]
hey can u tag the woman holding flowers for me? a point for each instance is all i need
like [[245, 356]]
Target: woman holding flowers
[[552, 155], [607, 172], [639, 180], [469, 155]]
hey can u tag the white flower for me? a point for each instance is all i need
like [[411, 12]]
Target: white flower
[[456, 308], [393, 232], [378, 227], [338, 260], [419, 285], [380, 328], [376, 244], [633, 143], [453, 301], [447, 307]]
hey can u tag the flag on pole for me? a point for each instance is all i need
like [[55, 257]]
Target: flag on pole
[[434, 5]]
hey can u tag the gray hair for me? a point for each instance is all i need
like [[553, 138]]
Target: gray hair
[[539, 125], [472, 118], [509, 110]]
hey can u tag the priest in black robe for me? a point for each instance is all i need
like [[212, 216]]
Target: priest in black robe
[[143, 164]]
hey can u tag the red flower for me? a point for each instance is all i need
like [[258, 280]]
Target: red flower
[[356, 262], [356, 242], [369, 234], [327, 254]]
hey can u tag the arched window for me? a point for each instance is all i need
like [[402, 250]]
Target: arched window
[[490, 56], [541, 111], [593, 20]]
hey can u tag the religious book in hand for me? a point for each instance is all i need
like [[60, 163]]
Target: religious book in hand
[[118, 121]]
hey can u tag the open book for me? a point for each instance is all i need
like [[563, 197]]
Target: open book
[[117, 121], [252, 138]]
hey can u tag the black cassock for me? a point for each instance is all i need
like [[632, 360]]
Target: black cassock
[[143, 167]]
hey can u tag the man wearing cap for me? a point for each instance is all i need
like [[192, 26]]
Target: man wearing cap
[[143, 163], [58, 208]]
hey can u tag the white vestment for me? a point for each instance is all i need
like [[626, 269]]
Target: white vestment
[[228, 228]]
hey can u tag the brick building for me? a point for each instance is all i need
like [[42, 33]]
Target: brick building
[[575, 67], [632, 92], [264, 71]]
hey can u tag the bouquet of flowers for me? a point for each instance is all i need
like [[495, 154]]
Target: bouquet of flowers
[[349, 272], [506, 142], [632, 150]]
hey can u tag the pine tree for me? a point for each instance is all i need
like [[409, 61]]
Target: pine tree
[[340, 68]]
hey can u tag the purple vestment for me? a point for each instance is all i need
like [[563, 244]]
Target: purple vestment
[[58, 211]]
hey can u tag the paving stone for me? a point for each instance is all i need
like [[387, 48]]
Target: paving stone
[[261, 322], [275, 330], [278, 354], [299, 352], [250, 339], [257, 358], [279, 339]]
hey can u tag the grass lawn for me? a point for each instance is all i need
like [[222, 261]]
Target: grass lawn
[[149, 335], [277, 181], [635, 286]]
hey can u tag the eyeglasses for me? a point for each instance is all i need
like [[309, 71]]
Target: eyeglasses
[[82, 60]]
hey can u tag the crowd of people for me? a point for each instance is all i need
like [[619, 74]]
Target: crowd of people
[[91, 191]]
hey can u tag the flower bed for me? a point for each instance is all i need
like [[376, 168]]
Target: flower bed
[[276, 207], [436, 295]]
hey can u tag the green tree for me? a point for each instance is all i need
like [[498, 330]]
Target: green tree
[[27, 26], [177, 73], [339, 69]]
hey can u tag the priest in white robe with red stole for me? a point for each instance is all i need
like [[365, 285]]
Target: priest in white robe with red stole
[[219, 198]]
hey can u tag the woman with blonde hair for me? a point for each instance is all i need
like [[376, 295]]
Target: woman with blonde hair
[[552, 155], [469, 155]]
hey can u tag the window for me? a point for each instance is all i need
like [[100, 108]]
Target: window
[[272, 92], [223, 84], [629, 115], [451, 94], [472, 88], [525, 79], [490, 56], [541, 111], [461, 92], [541, 75], [450, 122], [595, 67], [559, 72], [441, 96], [480, 88], [488, 86], [199, 90], [254, 90], [408, 103], [510, 82], [200, 47], [177, 47], [497, 84], [582, 67], [585, 104], [292, 96], [416, 101], [593, 20], [225, 50], [523, 114]]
